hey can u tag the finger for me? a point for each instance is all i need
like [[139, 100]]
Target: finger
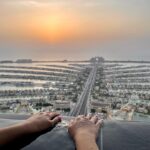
[[94, 119], [89, 116], [71, 121], [53, 115], [79, 117], [49, 113], [99, 123], [46, 113], [56, 120], [39, 113]]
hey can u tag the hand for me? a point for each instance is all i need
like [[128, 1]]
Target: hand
[[84, 126], [21, 134], [41, 121]]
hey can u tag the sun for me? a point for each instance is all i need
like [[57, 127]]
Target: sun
[[52, 28]]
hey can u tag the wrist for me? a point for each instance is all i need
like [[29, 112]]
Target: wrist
[[86, 141], [84, 137], [26, 127]]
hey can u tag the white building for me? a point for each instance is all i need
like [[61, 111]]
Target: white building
[[59, 104]]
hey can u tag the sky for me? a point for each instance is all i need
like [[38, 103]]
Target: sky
[[75, 29]]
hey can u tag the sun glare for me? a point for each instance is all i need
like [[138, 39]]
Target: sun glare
[[52, 28]]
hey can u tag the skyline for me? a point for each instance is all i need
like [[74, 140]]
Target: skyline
[[44, 29]]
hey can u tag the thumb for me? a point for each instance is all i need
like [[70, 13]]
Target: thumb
[[56, 120]]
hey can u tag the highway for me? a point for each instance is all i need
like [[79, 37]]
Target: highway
[[82, 106]]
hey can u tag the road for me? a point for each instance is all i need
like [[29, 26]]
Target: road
[[82, 106]]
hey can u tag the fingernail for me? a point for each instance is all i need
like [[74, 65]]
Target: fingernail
[[59, 117]]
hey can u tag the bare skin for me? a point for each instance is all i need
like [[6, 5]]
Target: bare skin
[[35, 124], [84, 131]]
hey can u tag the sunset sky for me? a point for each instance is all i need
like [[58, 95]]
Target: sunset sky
[[75, 29]]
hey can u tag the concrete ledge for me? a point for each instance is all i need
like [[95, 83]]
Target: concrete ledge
[[116, 135]]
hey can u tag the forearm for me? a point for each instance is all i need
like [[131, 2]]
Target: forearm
[[10, 134], [86, 142]]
